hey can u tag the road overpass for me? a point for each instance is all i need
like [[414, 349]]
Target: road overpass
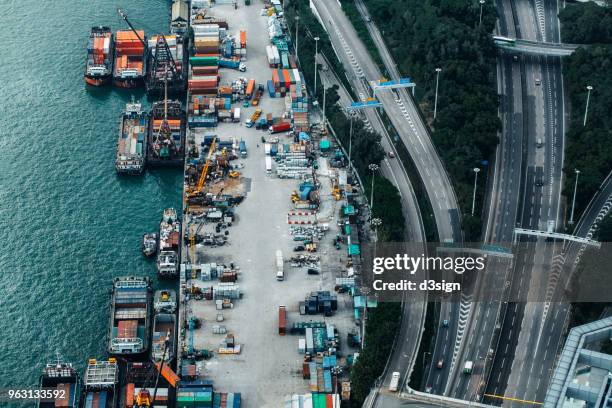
[[535, 47]]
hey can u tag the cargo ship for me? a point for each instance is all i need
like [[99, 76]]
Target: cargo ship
[[164, 301], [169, 237], [99, 67], [166, 144], [63, 382], [164, 327], [132, 142], [130, 316], [130, 59], [101, 384]]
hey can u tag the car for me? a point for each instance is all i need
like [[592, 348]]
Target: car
[[539, 182], [538, 81], [368, 19], [515, 57], [440, 364], [428, 389], [391, 155], [445, 323]]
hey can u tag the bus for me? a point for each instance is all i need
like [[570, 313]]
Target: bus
[[504, 40]]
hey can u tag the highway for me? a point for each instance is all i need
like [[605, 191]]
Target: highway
[[447, 339]]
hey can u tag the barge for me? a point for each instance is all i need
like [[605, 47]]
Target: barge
[[164, 328], [100, 47], [132, 142], [130, 317], [63, 383], [169, 241], [166, 138], [130, 59], [101, 384]]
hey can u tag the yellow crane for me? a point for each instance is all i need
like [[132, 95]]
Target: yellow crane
[[204, 172]]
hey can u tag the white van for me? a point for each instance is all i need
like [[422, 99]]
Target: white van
[[393, 385]]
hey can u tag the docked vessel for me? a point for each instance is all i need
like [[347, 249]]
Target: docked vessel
[[130, 316], [149, 244], [165, 64], [166, 134], [169, 237], [139, 385], [164, 327], [132, 142], [62, 381], [164, 301], [130, 59], [101, 384], [99, 66]]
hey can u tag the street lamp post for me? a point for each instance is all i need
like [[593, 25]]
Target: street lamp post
[[571, 220], [351, 114], [297, 23], [436, 99], [315, 65], [324, 113], [476, 171], [482, 2], [586, 108], [373, 167]]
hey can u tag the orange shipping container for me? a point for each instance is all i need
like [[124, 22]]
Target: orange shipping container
[[275, 78], [169, 375], [243, 38], [171, 122], [129, 35], [287, 78], [250, 87], [129, 395]]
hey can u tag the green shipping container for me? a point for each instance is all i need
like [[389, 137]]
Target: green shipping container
[[204, 61]]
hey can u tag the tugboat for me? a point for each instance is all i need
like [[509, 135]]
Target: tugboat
[[169, 237], [64, 379], [164, 301], [149, 244]]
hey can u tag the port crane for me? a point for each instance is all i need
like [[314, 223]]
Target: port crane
[[202, 179], [144, 399]]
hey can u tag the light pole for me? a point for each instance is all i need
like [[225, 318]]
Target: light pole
[[571, 220], [315, 63], [438, 70], [586, 108], [351, 114], [373, 167], [476, 171], [324, 115], [482, 2], [297, 24]]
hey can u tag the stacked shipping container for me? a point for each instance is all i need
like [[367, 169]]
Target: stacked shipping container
[[129, 58]]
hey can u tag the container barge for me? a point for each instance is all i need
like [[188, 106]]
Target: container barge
[[169, 241], [99, 66], [63, 382], [164, 327], [132, 142], [166, 62], [166, 134], [130, 59], [101, 384], [130, 316]]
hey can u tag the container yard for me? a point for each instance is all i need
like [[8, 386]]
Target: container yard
[[263, 209]]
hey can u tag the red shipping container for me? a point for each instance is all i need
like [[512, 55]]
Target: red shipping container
[[129, 395], [96, 401], [282, 313]]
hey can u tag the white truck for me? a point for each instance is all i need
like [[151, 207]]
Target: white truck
[[280, 270], [394, 384], [467, 368], [268, 165]]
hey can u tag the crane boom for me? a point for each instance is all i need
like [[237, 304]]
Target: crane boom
[[202, 179], [125, 18]]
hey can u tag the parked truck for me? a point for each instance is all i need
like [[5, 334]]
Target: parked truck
[[280, 269], [394, 384], [268, 165], [243, 149], [280, 127], [258, 94], [251, 121]]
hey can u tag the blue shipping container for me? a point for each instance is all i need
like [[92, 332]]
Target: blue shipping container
[[271, 90]]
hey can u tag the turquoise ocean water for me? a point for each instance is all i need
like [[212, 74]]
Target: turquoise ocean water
[[68, 224]]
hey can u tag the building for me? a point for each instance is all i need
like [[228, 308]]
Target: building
[[583, 375]]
